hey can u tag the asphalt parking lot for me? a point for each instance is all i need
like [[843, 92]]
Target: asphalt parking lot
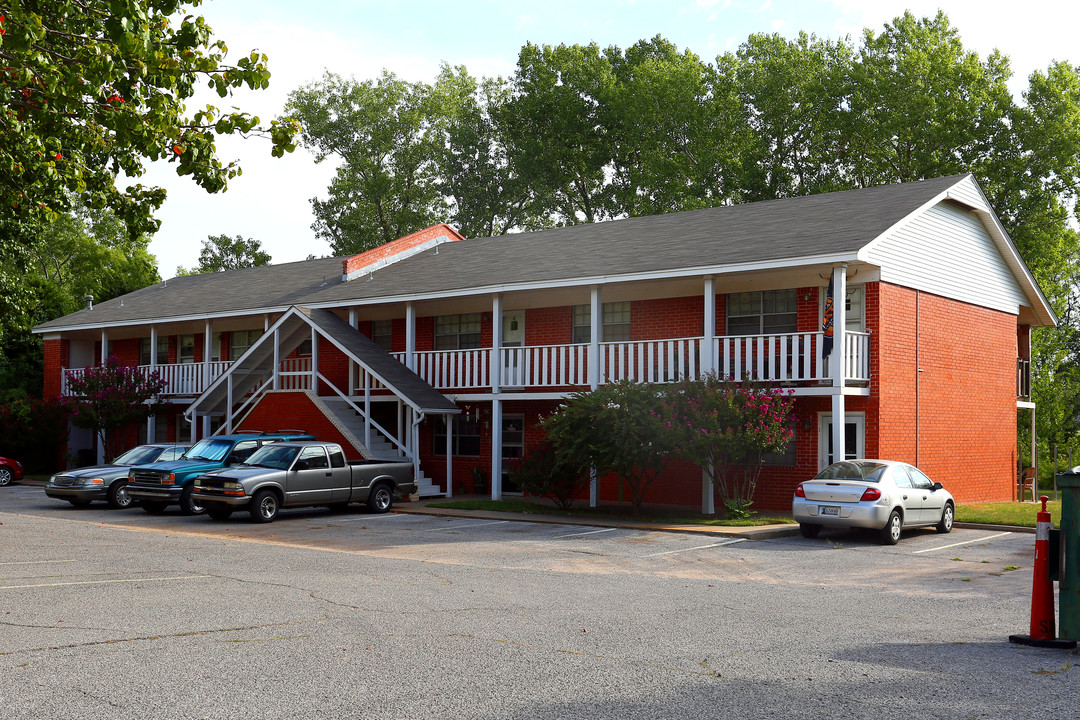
[[116, 614]]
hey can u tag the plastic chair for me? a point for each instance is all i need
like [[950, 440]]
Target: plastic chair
[[1027, 480]]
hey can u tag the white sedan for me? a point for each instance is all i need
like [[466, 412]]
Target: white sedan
[[881, 495]]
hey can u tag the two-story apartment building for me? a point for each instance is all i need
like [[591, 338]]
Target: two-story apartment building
[[448, 350]]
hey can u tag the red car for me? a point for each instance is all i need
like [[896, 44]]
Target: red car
[[9, 470]]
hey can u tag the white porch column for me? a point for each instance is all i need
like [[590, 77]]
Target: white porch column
[[708, 363], [596, 328], [314, 361], [206, 426], [708, 496], [837, 361], [151, 420], [410, 336], [208, 351], [449, 455], [496, 448], [496, 342], [104, 345], [193, 428], [276, 384], [367, 409], [228, 403], [354, 322]]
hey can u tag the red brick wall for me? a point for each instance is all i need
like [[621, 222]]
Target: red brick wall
[[294, 410], [964, 398], [667, 318], [549, 326], [334, 366], [57, 357]]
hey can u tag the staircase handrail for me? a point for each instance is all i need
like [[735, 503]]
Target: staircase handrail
[[359, 410], [257, 393]]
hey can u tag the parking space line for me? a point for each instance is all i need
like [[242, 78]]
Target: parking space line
[[36, 562], [103, 582], [699, 547], [460, 527], [967, 542], [359, 518], [590, 532]]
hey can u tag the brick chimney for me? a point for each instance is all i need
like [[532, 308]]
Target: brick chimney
[[371, 260]]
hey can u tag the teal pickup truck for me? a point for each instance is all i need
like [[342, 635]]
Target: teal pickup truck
[[160, 485]]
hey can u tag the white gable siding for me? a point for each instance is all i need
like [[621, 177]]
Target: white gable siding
[[947, 251], [968, 191]]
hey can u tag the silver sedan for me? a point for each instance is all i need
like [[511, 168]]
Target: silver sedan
[[881, 495]]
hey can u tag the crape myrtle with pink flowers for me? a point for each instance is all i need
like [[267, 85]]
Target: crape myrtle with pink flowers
[[631, 429], [109, 397]]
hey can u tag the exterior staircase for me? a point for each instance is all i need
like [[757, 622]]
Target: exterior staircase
[[351, 426]]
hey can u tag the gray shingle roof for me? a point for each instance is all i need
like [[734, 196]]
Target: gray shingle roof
[[775, 230]]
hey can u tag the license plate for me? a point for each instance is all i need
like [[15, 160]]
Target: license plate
[[829, 510]]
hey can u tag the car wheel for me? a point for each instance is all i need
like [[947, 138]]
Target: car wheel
[[79, 502], [264, 506], [222, 513], [188, 504], [5, 475], [809, 530], [380, 499], [118, 497], [890, 534], [154, 508], [945, 524]]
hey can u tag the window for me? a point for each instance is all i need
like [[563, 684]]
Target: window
[[382, 334], [315, 457], [186, 353], [337, 458], [215, 348], [162, 350], [304, 349], [457, 332], [766, 312], [241, 340], [786, 458], [615, 319], [853, 308], [466, 440]]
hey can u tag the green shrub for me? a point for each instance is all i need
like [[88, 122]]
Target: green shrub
[[544, 472]]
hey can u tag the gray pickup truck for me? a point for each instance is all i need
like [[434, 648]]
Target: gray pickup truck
[[301, 474]]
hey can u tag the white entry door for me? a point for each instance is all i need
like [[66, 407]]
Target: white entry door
[[513, 364], [854, 438]]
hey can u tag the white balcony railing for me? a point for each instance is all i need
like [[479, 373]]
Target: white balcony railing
[[787, 358]]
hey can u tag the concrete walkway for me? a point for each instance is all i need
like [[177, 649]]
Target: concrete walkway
[[759, 532]]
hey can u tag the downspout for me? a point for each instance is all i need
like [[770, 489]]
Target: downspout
[[918, 371]]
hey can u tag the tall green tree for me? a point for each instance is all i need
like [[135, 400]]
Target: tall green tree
[[792, 95], [93, 88], [51, 270], [556, 129], [386, 184], [488, 193], [220, 252], [678, 129]]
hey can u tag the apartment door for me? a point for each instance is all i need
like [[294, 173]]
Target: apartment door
[[513, 364], [854, 438], [513, 448]]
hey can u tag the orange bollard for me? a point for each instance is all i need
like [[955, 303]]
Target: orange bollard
[[1042, 590]]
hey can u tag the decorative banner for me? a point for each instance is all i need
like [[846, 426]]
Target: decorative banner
[[827, 322]]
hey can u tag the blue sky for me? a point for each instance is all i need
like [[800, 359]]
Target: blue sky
[[270, 201]]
